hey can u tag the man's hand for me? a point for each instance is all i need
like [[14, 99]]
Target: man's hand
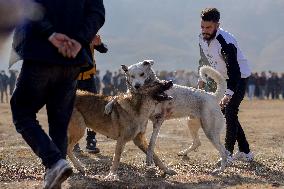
[[70, 48], [57, 39], [224, 101], [66, 46], [201, 84]]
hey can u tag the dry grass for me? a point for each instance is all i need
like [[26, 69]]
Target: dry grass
[[263, 122]]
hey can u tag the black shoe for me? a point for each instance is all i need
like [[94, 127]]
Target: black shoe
[[91, 148], [77, 148]]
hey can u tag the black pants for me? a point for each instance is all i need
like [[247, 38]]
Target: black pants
[[234, 130], [38, 85]]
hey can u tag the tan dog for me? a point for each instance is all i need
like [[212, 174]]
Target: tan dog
[[127, 121]]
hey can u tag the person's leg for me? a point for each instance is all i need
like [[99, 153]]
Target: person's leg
[[29, 96], [2, 94], [88, 85], [234, 130], [242, 141], [91, 145], [60, 104], [6, 93]]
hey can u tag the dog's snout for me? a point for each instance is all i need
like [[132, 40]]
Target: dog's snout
[[137, 86]]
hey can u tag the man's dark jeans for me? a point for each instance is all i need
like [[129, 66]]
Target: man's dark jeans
[[42, 84], [234, 131]]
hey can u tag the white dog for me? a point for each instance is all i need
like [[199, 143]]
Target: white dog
[[186, 102]]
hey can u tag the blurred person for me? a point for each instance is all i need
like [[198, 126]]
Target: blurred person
[[251, 86], [4, 82], [87, 82], [107, 81], [122, 86], [262, 84], [269, 85], [282, 85], [12, 80], [256, 91], [115, 83], [54, 49], [12, 13], [219, 49], [97, 79], [275, 85]]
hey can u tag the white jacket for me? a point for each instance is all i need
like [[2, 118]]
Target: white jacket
[[225, 56]]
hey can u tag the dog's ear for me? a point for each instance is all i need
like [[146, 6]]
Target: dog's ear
[[148, 62], [125, 69]]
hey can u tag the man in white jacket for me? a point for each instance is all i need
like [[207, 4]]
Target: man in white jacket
[[219, 49]]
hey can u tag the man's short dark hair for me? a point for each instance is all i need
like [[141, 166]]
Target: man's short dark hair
[[210, 14]]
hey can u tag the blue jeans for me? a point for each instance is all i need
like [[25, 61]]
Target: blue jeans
[[42, 84]]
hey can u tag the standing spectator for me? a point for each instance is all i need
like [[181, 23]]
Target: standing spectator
[[86, 82], [282, 85], [251, 86], [12, 80], [53, 50], [3, 86], [273, 83], [107, 90], [262, 84], [256, 78], [222, 52], [97, 79], [269, 85], [115, 83], [122, 86]]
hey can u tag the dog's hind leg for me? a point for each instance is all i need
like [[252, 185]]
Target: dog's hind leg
[[141, 141], [120, 143], [76, 131], [212, 127], [193, 126]]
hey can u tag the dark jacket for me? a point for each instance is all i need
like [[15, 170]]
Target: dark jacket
[[78, 19]]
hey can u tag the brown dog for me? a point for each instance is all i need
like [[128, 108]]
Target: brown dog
[[127, 121]]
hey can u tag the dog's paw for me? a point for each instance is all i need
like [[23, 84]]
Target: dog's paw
[[108, 108]]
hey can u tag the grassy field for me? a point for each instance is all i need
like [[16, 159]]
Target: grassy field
[[263, 122]]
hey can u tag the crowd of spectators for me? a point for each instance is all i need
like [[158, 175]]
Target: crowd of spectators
[[264, 85]]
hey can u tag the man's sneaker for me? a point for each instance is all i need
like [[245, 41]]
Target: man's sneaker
[[91, 148], [57, 174], [241, 156]]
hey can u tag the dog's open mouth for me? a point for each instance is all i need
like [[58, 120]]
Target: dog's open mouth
[[157, 90]]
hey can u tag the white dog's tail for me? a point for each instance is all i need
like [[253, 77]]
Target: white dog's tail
[[207, 71]]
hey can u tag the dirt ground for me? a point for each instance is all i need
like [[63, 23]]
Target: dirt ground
[[263, 122]]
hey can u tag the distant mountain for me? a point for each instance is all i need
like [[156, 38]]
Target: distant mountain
[[167, 31]]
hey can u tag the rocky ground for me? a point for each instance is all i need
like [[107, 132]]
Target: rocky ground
[[263, 122]]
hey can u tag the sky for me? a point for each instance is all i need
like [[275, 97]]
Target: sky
[[167, 32]]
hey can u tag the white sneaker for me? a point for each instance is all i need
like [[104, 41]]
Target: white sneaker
[[229, 161], [57, 174], [241, 156]]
